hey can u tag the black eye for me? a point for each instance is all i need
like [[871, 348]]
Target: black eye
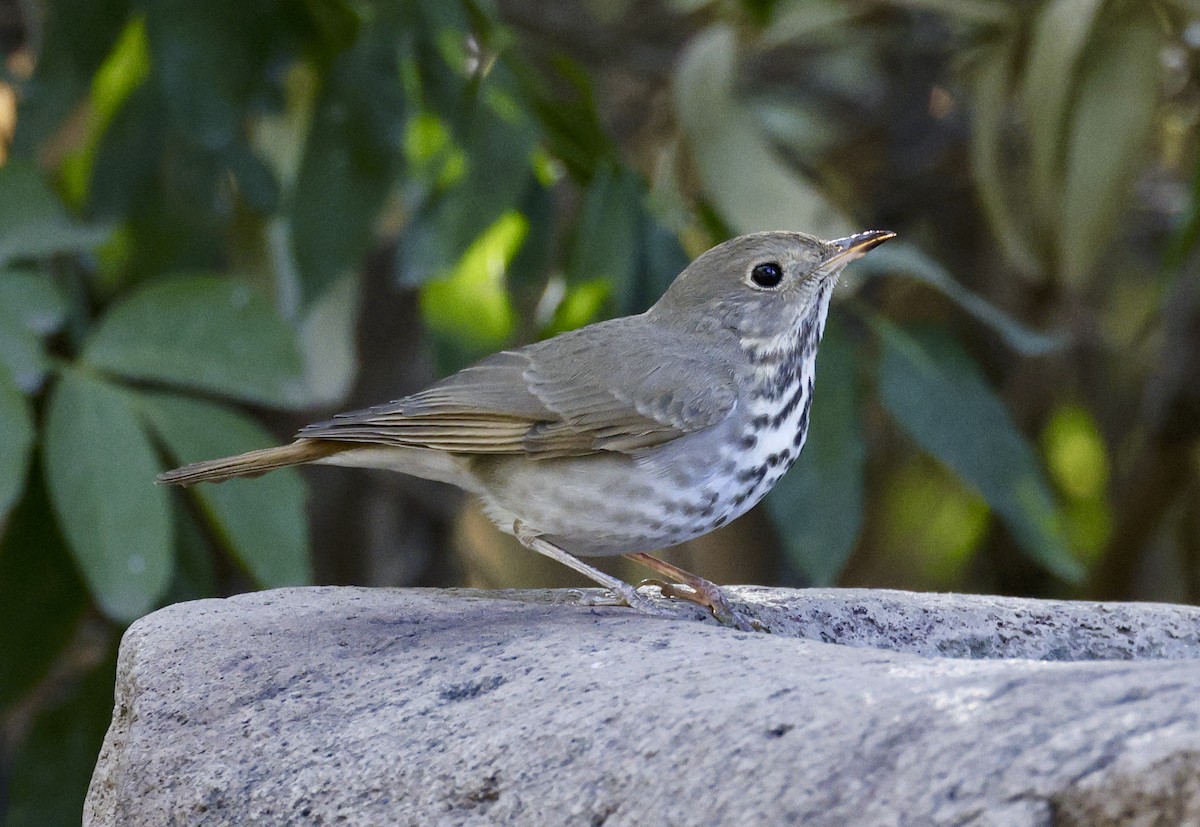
[[767, 275]]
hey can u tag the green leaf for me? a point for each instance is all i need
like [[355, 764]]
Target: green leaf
[[744, 179], [818, 505], [991, 166], [32, 221], [663, 258], [261, 521], [71, 44], [938, 395], [606, 235], [124, 69], [21, 351], [34, 298], [206, 57], [808, 22], [1106, 142], [100, 469], [31, 306], [902, 259], [1060, 35], [195, 573], [570, 124], [351, 158], [207, 333], [496, 177], [980, 12], [16, 437], [49, 777], [40, 592]]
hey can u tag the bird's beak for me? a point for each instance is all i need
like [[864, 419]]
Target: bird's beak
[[855, 247]]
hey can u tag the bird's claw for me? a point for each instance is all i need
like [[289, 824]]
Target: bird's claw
[[712, 599]]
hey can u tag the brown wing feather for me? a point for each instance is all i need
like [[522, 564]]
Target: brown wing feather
[[575, 394]]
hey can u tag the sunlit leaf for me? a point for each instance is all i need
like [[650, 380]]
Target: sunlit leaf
[[1106, 141], [261, 521], [938, 395], [32, 221], [202, 332], [100, 469], [124, 69], [1060, 35], [71, 42], [818, 505], [747, 183], [902, 259], [1088, 525], [472, 303], [1075, 453], [42, 596], [581, 304], [991, 167], [16, 440], [497, 175], [932, 523]]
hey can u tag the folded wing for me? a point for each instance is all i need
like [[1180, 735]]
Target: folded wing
[[618, 386]]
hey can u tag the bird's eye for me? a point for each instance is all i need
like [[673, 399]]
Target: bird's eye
[[767, 275]]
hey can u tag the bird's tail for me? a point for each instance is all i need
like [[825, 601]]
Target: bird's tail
[[253, 463]]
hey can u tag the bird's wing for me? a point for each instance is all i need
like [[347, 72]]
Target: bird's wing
[[620, 387]]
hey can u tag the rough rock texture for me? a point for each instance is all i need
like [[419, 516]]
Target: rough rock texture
[[372, 707]]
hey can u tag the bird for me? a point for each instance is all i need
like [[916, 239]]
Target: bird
[[624, 436]]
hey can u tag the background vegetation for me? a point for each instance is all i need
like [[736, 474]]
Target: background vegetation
[[221, 220]]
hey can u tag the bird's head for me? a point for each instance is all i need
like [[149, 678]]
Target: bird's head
[[762, 286]]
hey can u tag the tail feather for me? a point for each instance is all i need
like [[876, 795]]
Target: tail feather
[[253, 463]]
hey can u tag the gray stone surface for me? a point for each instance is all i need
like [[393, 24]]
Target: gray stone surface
[[381, 707]]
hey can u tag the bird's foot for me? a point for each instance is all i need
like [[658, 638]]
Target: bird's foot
[[627, 595], [713, 599], [594, 597]]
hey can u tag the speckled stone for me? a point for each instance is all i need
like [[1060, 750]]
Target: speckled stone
[[412, 707]]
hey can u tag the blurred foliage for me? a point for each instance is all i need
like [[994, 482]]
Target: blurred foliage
[[190, 194]]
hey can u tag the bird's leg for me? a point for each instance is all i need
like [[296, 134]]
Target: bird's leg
[[626, 594], [699, 590]]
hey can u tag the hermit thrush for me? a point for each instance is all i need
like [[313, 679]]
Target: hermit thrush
[[622, 436]]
